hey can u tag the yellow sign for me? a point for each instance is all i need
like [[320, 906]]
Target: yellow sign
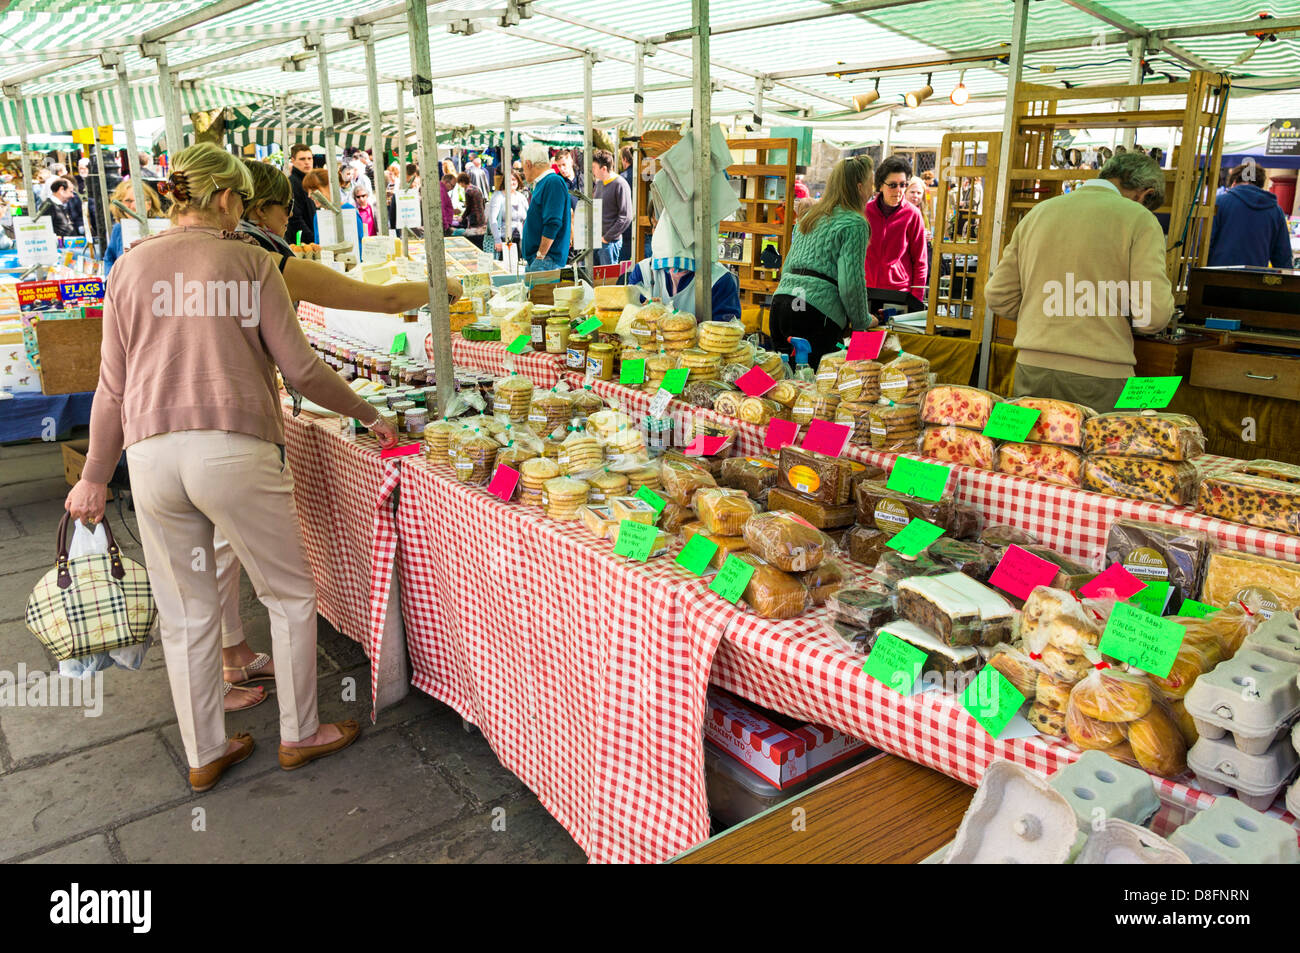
[[83, 136], [105, 135]]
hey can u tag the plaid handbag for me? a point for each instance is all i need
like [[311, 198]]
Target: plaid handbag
[[92, 603]]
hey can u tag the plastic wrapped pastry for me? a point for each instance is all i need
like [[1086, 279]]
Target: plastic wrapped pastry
[[958, 406], [727, 545], [904, 379], [1271, 470], [823, 581], [1253, 500], [1157, 436], [1140, 478], [724, 512], [818, 477], [704, 393], [786, 541], [825, 516], [828, 370], [858, 381], [1231, 576], [758, 410], [1157, 552], [681, 480], [895, 426], [719, 337], [857, 415], [865, 545], [754, 475], [811, 405], [889, 511], [1059, 421], [1040, 461], [773, 593], [957, 445], [864, 608]]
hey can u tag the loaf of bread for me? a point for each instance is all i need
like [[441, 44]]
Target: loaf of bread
[[1040, 461], [818, 477], [1140, 478], [1253, 500], [726, 544], [1157, 552], [773, 593], [681, 480], [820, 515], [723, 512], [958, 406], [786, 541], [967, 448], [904, 379], [1271, 470], [1231, 576], [754, 475], [1059, 421], [1159, 436], [895, 426]]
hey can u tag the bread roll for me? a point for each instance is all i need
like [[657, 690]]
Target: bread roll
[[1112, 695], [1065, 665], [1019, 671], [1157, 744], [1048, 721], [1123, 752], [1089, 733], [1052, 691]]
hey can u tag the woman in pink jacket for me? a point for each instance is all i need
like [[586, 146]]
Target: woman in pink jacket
[[896, 256]]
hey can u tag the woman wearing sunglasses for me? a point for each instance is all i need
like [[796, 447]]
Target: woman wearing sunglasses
[[897, 259], [196, 320]]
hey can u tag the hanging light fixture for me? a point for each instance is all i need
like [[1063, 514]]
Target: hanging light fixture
[[960, 95], [918, 96], [863, 100]]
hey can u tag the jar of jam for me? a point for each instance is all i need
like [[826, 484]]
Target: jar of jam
[[538, 320], [401, 407], [557, 335], [390, 416], [420, 396], [576, 359], [384, 368], [600, 362], [416, 419]]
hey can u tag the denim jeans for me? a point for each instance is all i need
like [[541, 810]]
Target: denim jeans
[[543, 264], [608, 253]]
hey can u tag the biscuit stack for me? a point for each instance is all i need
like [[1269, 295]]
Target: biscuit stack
[[563, 496], [533, 475], [437, 440], [828, 370], [904, 379], [606, 485], [550, 411], [858, 381], [648, 476], [813, 404], [743, 354], [473, 458], [895, 426], [719, 337], [512, 397], [655, 369], [703, 365], [580, 452], [676, 332]]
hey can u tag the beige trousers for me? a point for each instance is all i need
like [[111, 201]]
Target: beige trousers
[[187, 487]]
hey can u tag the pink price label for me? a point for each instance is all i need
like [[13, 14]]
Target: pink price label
[[780, 433], [826, 437], [1019, 572], [703, 446], [1115, 583], [865, 345], [504, 480], [755, 382], [406, 450]]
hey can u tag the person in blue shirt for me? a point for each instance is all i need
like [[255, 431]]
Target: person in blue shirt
[[670, 276], [545, 240], [1250, 228], [125, 193]]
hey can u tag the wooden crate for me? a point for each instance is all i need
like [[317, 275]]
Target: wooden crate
[[74, 461], [1158, 358]]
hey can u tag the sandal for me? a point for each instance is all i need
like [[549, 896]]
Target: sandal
[[246, 672], [229, 687], [293, 758]]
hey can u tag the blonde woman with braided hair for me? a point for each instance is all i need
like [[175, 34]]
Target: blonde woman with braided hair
[[196, 318]]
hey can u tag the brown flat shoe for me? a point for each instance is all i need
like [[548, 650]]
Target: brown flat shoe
[[206, 778], [291, 759]]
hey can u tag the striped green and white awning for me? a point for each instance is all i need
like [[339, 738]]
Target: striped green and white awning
[[62, 112]]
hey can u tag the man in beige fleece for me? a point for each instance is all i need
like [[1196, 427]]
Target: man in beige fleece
[[1082, 273]]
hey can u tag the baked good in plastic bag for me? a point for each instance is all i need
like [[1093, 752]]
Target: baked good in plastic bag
[[720, 337], [826, 516], [892, 567], [758, 410], [1059, 421], [811, 405], [513, 454], [1089, 733], [585, 403], [967, 448], [786, 541], [1054, 617], [704, 393], [550, 411], [1158, 743], [605, 423], [958, 406], [579, 453], [563, 497], [863, 607], [1132, 705], [1113, 695], [858, 381], [533, 475], [1231, 577], [1040, 461], [895, 426], [598, 520], [726, 544], [728, 403], [828, 370], [437, 440], [1017, 668], [1072, 574], [473, 457], [1223, 632], [632, 508], [606, 485], [1140, 478], [1193, 660], [681, 480], [754, 475], [511, 398], [743, 354], [1003, 535], [865, 544], [1158, 436], [1157, 552], [1253, 500], [723, 512], [675, 516], [815, 475], [1271, 470], [785, 393], [857, 415], [702, 365], [904, 379], [1046, 721], [773, 593], [889, 511], [1051, 691], [966, 556], [822, 581], [939, 658]]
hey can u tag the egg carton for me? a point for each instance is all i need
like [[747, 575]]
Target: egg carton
[[1277, 637], [1119, 842], [1098, 783], [1015, 817], [1257, 778], [1229, 832], [1251, 695]]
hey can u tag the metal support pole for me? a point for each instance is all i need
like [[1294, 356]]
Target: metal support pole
[[401, 163], [417, 18], [588, 187], [889, 135], [376, 124], [317, 43], [20, 112], [1137, 50], [758, 102], [1015, 62], [104, 205], [705, 243], [507, 183], [638, 128], [170, 97], [285, 144], [132, 155]]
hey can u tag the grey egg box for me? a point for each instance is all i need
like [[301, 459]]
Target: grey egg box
[[1097, 782], [1257, 778], [1277, 637], [1251, 695], [1016, 817], [1229, 832], [1119, 842]]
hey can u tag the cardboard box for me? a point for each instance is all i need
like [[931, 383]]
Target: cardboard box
[[69, 355], [74, 461], [17, 374], [780, 754]]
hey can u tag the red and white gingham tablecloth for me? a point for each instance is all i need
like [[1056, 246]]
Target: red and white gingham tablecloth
[[491, 357]]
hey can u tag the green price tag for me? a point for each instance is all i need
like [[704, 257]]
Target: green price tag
[[924, 480], [520, 344], [675, 379], [732, 578], [632, 372], [635, 540], [1191, 609], [1141, 393], [1011, 422], [653, 498], [895, 663], [697, 552], [914, 537], [399, 344], [991, 700], [1151, 597], [1141, 639], [586, 327]]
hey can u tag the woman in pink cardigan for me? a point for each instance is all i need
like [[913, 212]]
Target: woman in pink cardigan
[[896, 256]]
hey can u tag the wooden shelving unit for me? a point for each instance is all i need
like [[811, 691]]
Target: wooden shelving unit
[[761, 215]]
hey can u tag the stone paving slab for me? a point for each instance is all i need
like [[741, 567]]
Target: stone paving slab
[[519, 832], [92, 850]]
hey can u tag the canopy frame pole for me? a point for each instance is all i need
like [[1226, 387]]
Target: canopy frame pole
[[20, 113], [417, 17], [366, 32], [169, 95], [588, 185], [638, 127], [114, 61], [316, 42], [705, 244], [401, 164], [507, 183], [285, 145], [1015, 64], [104, 206], [758, 102], [1137, 50]]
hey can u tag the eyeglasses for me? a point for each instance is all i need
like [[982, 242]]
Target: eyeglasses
[[894, 185]]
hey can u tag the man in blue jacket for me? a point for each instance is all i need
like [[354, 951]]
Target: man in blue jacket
[[545, 239], [1249, 226]]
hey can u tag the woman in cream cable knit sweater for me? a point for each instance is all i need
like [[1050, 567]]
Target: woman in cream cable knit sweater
[[196, 319]]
